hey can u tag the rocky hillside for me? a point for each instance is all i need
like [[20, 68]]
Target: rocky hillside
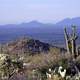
[[30, 46], [27, 46]]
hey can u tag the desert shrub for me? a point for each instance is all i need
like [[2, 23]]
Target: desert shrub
[[63, 62]]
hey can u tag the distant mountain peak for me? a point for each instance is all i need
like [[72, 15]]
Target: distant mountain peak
[[34, 22], [69, 22], [76, 18]]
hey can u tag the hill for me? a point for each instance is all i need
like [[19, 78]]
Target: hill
[[30, 47]]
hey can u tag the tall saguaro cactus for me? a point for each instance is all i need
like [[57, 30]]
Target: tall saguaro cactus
[[67, 41], [71, 41]]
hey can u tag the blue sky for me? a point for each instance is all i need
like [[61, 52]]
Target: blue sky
[[47, 11]]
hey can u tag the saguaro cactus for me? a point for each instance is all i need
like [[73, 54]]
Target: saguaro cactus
[[71, 41], [68, 43]]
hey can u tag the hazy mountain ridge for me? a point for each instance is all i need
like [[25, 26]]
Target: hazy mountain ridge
[[69, 22], [52, 33], [35, 23]]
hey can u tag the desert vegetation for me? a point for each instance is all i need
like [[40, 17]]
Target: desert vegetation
[[29, 59]]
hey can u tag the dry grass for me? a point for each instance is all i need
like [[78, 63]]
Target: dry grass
[[44, 60]]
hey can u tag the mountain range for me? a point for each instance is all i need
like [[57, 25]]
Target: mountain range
[[52, 33], [35, 24]]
